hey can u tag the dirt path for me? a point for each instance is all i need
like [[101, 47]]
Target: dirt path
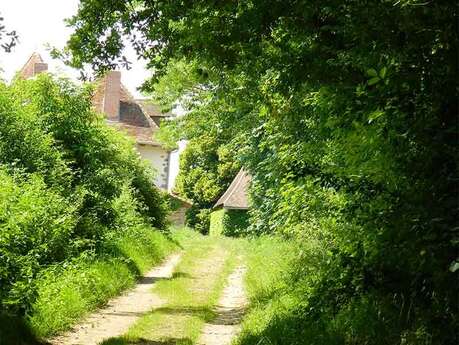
[[230, 310], [121, 312]]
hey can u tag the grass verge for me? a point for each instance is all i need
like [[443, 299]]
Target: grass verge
[[266, 280], [68, 292], [190, 294]]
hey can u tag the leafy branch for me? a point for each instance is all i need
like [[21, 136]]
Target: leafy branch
[[8, 39]]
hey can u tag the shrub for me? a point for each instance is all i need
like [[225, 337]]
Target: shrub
[[229, 222], [69, 184], [235, 222], [36, 224], [216, 222], [198, 218]]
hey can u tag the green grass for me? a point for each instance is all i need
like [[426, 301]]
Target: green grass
[[67, 293], [189, 295], [216, 222], [267, 280]]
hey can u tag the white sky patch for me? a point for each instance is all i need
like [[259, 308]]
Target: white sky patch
[[41, 22]]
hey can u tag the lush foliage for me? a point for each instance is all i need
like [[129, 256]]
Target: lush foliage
[[205, 173], [345, 114], [235, 222], [216, 222], [207, 165], [69, 185], [229, 222]]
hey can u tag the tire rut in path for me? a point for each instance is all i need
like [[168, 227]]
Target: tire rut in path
[[230, 310], [121, 312]]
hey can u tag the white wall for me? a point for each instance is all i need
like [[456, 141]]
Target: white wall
[[174, 164], [158, 158]]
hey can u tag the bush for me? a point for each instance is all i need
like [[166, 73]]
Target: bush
[[216, 222], [198, 218], [69, 187], [235, 222], [36, 225], [229, 222]]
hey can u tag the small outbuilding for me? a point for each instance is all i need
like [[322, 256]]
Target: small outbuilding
[[230, 215]]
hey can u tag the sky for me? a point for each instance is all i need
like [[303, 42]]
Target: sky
[[41, 22]]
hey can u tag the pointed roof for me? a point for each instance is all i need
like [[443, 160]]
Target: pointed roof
[[236, 196], [33, 66]]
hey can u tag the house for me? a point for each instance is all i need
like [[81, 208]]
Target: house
[[230, 215], [138, 118]]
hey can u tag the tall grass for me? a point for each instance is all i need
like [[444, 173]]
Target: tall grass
[[267, 280], [69, 291]]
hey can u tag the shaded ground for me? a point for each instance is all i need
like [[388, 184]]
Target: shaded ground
[[120, 312]]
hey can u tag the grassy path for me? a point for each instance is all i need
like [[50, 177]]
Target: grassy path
[[121, 312], [189, 296], [230, 310]]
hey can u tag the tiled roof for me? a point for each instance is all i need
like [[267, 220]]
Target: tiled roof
[[132, 113], [151, 109], [142, 135], [236, 196], [133, 118]]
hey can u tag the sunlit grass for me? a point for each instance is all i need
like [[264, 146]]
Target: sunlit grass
[[65, 295], [268, 262]]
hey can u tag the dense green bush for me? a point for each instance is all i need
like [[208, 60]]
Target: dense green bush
[[216, 222], [235, 222], [35, 227], [69, 184], [229, 222]]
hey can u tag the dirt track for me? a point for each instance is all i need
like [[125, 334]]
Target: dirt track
[[121, 312]]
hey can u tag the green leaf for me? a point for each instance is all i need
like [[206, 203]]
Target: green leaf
[[372, 72], [383, 72], [374, 80], [454, 266], [375, 115]]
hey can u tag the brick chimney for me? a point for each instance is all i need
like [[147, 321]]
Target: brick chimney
[[111, 101]]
